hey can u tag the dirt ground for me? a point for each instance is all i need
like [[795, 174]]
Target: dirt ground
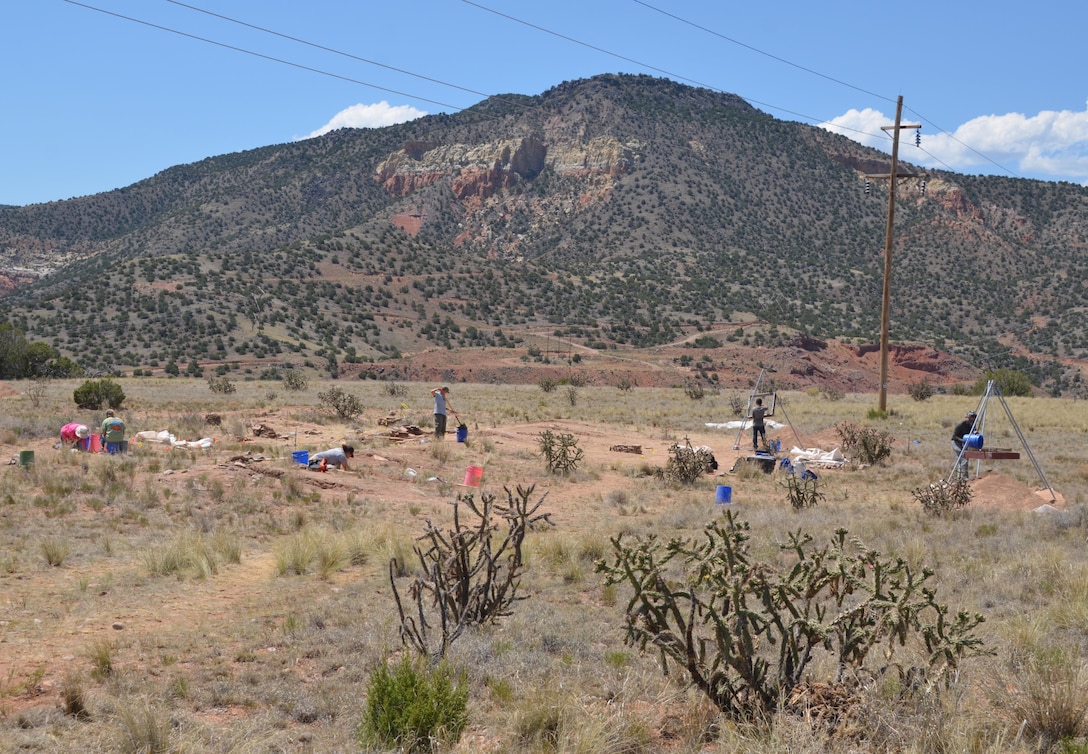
[[799, 365], [383, 470]]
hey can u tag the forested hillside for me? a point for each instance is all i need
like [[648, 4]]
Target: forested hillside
[[619, 211]]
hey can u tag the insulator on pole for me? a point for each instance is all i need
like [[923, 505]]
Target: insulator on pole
[[868, 187], [918, 138]]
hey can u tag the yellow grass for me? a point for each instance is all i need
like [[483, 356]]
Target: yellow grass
[[242, 611]]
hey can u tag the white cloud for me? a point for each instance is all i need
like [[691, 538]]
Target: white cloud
[[862, 126], [1051, 145], [369, 116]]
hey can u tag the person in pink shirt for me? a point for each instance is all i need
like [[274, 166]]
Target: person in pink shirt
[[74, 434]]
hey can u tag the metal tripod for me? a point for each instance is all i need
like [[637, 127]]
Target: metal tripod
[[979, 427], [748, 411]]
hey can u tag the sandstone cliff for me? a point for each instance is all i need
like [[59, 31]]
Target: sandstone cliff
[[480, 176]]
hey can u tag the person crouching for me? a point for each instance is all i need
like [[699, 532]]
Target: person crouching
[[75, 435], [337, 457]]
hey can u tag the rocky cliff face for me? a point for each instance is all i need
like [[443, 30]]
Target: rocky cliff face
[[479, 176], [481, 170]]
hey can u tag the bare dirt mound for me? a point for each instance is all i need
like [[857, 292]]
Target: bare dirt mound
[[996, 491]]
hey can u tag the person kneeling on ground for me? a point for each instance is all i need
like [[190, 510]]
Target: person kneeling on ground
[[113, 432], [332, 457], [74, 434]]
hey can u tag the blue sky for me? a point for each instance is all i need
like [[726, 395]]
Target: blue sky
[[93, 101]]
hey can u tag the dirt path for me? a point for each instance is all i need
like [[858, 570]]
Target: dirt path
[[42, 638]]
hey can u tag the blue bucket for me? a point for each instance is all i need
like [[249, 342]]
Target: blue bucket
[[973, 441], [462, 433], [724, 495], [301, 457]]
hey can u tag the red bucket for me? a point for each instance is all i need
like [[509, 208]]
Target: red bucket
[[473, 475]]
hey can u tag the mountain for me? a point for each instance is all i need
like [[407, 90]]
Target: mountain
[[614, 212]]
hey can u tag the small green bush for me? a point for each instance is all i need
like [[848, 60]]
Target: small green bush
[[695, 391], [345, 405], [706, 341], [395, 389], [412, 707], [221, 385], [294, 380], [94, 394], [920, 391], [831, 393], [1008, 381]]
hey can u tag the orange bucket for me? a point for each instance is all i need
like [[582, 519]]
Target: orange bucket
[[473, 475], [94, 444]]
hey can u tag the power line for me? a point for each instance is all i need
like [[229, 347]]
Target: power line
[[345, 54], [590, 46], [829, 78], [263, 56], [536, 27], [411, 73], [962, 144], [762, 52], [650, 67], [811, 71]]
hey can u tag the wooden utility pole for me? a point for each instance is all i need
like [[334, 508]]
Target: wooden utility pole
[[885, 305]]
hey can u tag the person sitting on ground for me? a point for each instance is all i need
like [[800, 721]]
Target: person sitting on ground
[[113, 432], [74, 433], [337, 457]]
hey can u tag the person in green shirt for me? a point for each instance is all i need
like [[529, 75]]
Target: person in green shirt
[[759, 428], [113, 432]]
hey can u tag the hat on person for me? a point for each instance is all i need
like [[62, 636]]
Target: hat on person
[[445, 388], [82, 432], [971, 415], [109, 412]]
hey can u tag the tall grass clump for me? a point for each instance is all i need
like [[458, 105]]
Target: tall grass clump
[[297, 553], [101, 656], [73, 698], [1046, 698], [441, 452], [326, 552], [143, 729], [413, 706], [189, 554], [55, 552]]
